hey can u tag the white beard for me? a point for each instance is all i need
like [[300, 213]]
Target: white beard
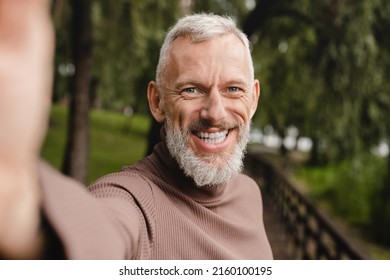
[[202, 169]]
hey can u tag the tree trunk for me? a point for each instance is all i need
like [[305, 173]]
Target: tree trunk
[[76, 153], [314, 153]]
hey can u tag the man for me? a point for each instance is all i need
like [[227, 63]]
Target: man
[[188, 199]]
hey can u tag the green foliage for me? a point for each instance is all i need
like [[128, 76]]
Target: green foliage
[[380, 218], [116, 140], [290, 89], [127, 36], [323, 68], [237, 9], [349, 188], [62, 24]]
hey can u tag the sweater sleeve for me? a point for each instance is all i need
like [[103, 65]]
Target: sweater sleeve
[[87, 227]]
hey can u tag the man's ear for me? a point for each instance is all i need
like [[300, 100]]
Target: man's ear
[[155, 102], [255, 96]]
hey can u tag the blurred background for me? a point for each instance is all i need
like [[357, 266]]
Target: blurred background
[[324, 68]]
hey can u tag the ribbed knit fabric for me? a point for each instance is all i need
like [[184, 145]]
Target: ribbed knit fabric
[[156, 212]]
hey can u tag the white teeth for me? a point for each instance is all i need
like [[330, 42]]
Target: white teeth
[[214, 137]]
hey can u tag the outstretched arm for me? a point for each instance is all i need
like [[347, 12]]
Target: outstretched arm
[[26, 54]]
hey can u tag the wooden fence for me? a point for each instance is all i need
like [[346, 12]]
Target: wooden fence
[[313, 235]]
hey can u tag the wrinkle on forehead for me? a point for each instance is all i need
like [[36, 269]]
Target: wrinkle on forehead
[[222, 57]]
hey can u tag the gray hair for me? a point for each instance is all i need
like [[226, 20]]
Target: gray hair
[[199, 27]]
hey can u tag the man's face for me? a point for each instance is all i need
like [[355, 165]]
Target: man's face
[[209, 99]]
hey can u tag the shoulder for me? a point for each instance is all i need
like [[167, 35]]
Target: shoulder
[[126, 181], [127, 184], [125, 178]]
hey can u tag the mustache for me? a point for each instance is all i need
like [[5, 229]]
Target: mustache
[[205, 124]]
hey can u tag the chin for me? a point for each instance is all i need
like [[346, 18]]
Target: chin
[[215, 160]]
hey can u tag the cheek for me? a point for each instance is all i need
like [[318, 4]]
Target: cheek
[[180, 116], [240, 111]]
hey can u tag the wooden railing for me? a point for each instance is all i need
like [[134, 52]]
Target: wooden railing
[[313, 235]]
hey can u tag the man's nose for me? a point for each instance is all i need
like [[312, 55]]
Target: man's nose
[[213, 107]]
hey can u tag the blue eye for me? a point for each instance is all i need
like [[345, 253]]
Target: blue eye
[[233, 89], [189, 90], [191, 93], [233, 92]]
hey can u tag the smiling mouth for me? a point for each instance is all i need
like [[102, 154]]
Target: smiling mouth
[[212, 137]]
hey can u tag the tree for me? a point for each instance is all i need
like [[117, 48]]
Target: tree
[[76, 153], [128, 35], [377, 112], [332, 51], [282, 36]]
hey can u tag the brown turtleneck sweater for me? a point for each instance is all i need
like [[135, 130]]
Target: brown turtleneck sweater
[[151, 210]]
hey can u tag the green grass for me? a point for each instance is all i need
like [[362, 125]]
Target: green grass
[[115, 140], [53, 147]]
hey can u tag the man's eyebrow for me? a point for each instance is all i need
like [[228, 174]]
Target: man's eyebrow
[[195, 83], [239, 82]]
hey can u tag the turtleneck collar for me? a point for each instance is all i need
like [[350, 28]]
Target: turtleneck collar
[[175, 176]]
